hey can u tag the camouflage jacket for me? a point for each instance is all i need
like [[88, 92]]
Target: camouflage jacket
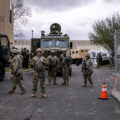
[[65, 61], [16, 65], [99, 58], [21, 57], [87, 65], [53, 61], [38, 63]]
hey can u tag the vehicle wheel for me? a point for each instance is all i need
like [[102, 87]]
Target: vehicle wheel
[[2, 72]]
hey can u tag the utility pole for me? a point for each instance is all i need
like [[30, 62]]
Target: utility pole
[[32, 33]]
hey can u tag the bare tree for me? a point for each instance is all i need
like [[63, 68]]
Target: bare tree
[[21, 12], [21, 15]]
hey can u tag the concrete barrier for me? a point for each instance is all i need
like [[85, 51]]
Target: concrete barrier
[[116, 89]]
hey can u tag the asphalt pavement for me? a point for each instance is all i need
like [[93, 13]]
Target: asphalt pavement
[[71, 102]]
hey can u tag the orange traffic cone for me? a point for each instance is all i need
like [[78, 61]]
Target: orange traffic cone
[[104, 92]]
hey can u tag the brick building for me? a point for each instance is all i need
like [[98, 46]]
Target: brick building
[[6, 19]]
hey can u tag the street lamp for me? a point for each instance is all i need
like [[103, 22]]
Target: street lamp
[[32, 33]]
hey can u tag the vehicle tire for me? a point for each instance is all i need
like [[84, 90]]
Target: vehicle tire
[[2, 72]]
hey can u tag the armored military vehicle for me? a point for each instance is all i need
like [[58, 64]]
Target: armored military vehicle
[[55, 40], [4, 54]]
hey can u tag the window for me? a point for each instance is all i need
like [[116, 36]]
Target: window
[[61, 43], [3, 42], [48, 43], [82, 50], [10, 16], [76, 52], [36, 44], [72, 52]]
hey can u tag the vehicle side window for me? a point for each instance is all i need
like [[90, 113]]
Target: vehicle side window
[[3, 42]]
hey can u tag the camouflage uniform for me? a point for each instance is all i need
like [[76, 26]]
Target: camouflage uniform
[[99, 60], [53, 64], [65, 62], [16, 67], [39, 73], [86, 68], [111, 61]]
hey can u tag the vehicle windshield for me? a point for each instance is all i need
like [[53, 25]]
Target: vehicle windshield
[[104, 54], [54, 43], [61, 43], [47, 43]]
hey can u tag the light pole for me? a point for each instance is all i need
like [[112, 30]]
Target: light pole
[[32, 33]]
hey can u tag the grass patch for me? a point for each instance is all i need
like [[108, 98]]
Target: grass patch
[[7, 69]]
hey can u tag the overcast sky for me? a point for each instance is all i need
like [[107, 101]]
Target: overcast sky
[[76, 17]]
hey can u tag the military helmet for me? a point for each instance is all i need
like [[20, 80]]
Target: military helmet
[[88, 55], [39, 50], [15, 51], [53, 51]]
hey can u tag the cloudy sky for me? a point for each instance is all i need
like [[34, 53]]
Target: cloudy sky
[[75, 16]]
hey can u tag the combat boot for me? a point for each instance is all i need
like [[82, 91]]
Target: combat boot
[[11, 91], [22, 92], [49, 83], [55, 84], [67, 83], [64, 83], [33, 95], [91, 85], [84, 85], [44, 95]]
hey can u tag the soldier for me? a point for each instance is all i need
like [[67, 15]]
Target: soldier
[[99, 60], [25, 58], [65, 62], [111, 61], [87, 70], [16, 67], [53, 63], [38, 64]]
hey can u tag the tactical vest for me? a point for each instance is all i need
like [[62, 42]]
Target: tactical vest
[[65, 60], [53, 61], [39, 63]]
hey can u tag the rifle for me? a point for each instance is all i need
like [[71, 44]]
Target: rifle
[[85, 68]]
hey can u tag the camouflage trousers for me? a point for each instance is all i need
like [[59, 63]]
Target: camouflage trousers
[[99, 64], [17, 81], [36, 77], [52, 75], [65, 73], [87, 78]]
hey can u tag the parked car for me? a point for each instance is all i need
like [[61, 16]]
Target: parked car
[[105, 58]]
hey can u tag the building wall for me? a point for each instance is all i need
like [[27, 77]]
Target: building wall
[[21, 44], [6, 19], [85, 44]]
